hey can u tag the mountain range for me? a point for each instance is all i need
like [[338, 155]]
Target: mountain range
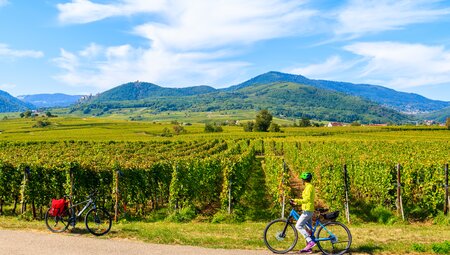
[[283, 94], [401, 101], [50, 100]]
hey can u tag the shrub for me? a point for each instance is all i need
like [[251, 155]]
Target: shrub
[[41, 124], [442, 219], [441, 248], [248, 127], [211, 128], [262, 121], [224, 217], [304, 122], [418, 213], [166, 133], [179, 129], [274, 127], [418, 247], [382, 215], [185, 214]]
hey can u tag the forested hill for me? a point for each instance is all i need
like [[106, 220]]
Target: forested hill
[[9, 103], [142, 90], [401, 101], [281, 98], [440, 116]]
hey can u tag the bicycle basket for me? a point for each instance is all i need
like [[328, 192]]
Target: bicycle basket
[[331, 216]]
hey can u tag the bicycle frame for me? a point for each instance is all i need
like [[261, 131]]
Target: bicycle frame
[[296, 216], [88, 203]]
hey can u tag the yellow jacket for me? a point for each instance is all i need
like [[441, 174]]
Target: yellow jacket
[[307, 200]]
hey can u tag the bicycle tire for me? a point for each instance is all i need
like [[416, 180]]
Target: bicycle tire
[[274, 241], [341, 243], [98, 221], [58, 224]]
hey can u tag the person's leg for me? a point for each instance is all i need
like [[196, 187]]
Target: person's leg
[[300, 225], [310, 222]]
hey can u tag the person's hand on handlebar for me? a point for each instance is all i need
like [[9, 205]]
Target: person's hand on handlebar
[[292, 202]]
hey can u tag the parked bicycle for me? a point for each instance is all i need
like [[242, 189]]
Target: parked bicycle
[[332, 237], [97, 220]]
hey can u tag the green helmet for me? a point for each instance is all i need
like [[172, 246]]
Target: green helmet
[[307, 176]]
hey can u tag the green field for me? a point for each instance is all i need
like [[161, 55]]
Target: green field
[[117, 129], [167, 178]]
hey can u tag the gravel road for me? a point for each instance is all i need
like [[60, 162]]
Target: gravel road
[[29, 242]]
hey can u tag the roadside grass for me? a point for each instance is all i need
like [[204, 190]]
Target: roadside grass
[[372, 238]]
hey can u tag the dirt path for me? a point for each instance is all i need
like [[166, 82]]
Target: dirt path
[[26, 243]]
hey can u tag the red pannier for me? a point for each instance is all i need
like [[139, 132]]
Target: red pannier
[[58, 206]]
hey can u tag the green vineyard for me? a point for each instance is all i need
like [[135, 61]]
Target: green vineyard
[[231, 173]]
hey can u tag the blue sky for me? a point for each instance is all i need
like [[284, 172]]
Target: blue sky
[[89, 46]]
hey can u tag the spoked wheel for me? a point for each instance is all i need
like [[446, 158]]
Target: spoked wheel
[[280, 236], [340, 236], [98, 221], [58, 224]]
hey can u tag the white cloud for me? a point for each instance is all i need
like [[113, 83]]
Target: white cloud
[[330, 69], [361, 17], [404, 65], [396, 65], [85, 11], [7, 86], [3, 2], [6, 51], [199, 24], [92, 51], [191, 41], [120, 64]]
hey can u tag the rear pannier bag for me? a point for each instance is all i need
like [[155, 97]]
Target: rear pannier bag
[[58, 206], [331, 216]]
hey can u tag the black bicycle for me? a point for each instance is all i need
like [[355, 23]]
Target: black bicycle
[[97, 220]]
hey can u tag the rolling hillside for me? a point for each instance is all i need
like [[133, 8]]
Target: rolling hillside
[[440, 116], [9, 103], [281, 98], [401, 101], [142, 90]]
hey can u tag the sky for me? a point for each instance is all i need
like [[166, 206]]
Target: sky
[[89, 46]]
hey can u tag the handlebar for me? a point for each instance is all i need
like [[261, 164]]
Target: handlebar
[[92, 194], [291, 202]]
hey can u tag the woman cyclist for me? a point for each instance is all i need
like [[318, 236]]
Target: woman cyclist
[[307, 202]]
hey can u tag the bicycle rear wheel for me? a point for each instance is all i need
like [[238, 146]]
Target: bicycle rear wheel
[[274, 238], [339, 235], [58, 224], [98, 221]]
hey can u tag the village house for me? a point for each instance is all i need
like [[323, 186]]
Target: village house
[[335, 124]]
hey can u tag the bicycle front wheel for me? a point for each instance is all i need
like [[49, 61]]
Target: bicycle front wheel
[[339, 238], [280, 236], [58, 224], [98, 221]]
